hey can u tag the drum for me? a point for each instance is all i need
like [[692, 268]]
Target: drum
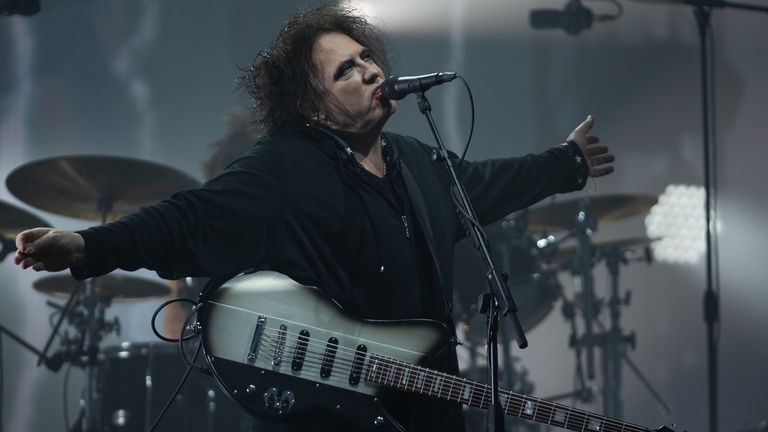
[[534, 289], [135, 380]]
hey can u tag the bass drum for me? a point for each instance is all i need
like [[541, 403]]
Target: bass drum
[[136, 380]]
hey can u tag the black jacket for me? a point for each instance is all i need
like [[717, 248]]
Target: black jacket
[[291, 204]]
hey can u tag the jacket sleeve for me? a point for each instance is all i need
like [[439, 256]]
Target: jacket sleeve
[[218, 229], [498, 187]]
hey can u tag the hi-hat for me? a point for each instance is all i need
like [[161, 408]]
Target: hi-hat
[[14, 220], [94, 187], [561, 216], [111, 287]]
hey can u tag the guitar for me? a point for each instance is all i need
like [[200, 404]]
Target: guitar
[[282, 350]]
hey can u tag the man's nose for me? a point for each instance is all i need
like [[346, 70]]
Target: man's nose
[[371, 73]]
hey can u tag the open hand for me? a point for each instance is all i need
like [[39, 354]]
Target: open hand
[[598, 157], [48, 249]]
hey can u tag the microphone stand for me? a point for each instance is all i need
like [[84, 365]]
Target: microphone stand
[[501, 300], [703, 11]]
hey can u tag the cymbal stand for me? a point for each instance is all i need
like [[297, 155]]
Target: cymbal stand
[[615, 341], [582, 391], [586, 225], [64, 312], [612, 341], [94, 316]]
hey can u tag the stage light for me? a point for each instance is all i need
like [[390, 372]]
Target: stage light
[[677, 220]]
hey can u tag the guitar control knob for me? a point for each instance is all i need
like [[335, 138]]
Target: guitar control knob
[[378, 421], [251, 389]]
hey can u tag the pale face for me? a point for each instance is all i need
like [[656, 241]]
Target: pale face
[[350, 79]]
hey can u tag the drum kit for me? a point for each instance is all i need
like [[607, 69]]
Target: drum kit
[[533, 248], [104, 188]]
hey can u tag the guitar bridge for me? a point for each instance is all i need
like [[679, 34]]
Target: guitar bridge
[[277, 359], [253, 352]]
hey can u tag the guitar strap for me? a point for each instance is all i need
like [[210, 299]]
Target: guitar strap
[[420, 209]]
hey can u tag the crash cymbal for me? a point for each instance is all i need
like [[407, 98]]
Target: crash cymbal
[[111, 287], [90, 187], [564, 256], [14, 220], [561, 216]]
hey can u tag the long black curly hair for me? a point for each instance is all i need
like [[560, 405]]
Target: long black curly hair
[[283, 80]]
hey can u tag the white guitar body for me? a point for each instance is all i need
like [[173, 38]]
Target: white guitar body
[[253, 327], [283, 350]]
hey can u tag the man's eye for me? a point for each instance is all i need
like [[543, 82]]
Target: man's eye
[[342, 70], [366, 55]]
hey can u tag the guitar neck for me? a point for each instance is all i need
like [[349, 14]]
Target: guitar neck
[[403, 376]]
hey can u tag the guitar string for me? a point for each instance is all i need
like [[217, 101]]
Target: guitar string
[[395, 366], [573, 415], [520, 400]]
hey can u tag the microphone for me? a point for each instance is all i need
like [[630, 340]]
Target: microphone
[[396, 88], [573, 18]]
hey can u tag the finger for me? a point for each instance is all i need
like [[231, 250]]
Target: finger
[[38, 266], [28, 262], [591, 139], [601, 159], [600, 171], [18, 258], [29, 236], [595, 150], [586, 125]]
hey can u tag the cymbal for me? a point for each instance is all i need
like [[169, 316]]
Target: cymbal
[[14, 220], [561, 216], [112, 287], [90, 187], [565, 256]]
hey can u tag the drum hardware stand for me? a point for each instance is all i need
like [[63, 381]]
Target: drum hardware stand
[[49, 362], [583, 392], [502, 298], [75, 349], [615, 340], [611, 341]]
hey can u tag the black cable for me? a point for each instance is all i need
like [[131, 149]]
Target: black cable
[[183, 338], [163, 306], [472, 122], [178, 387]]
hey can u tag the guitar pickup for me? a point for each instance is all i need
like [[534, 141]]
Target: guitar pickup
[[253, 352], [357, 365], [329, 357], [301, 351]]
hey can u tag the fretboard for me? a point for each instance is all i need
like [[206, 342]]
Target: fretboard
[[397, 374]]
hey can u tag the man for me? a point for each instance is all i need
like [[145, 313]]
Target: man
[[328, 198]]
